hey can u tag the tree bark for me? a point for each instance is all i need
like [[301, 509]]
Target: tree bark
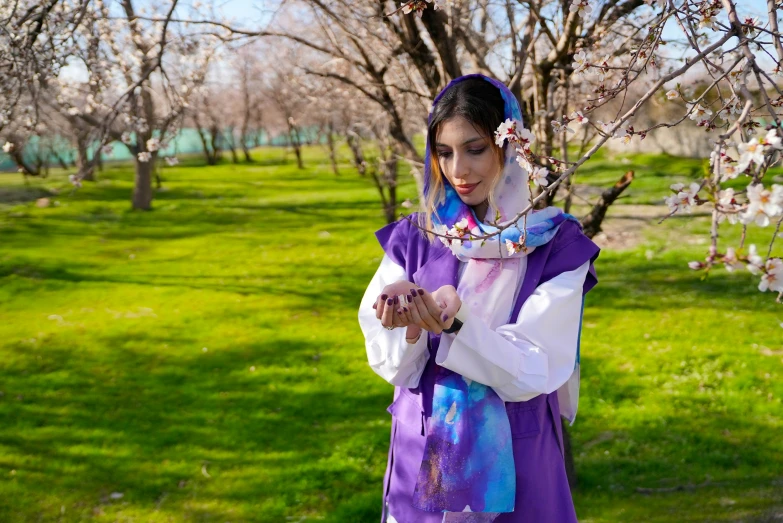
[[142, 187], [591, 224], [296, 143], [86, 169], [356, 150], [332, 151]]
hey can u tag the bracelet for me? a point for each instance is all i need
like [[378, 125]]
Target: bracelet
[[411, 341], [457, 325]]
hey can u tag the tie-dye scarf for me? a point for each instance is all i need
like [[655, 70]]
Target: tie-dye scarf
[[468, 470]]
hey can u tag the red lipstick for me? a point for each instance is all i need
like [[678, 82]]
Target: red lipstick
[[466, 189]]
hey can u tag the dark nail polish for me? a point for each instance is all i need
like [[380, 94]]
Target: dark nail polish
[[374, 305], [413, 291], [384, 296], [405, 309], [444, 317], [389, 301], [396, 299], [421, 292], [399, 311], [410, 298]]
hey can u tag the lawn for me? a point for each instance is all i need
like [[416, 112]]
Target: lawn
[[203, 362]]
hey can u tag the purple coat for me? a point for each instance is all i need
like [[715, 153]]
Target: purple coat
[[542, 491]]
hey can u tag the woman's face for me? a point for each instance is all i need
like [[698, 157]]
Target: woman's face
[[467, 159]]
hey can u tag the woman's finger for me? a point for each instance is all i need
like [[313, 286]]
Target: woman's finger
[[434, 309], [415, 316], [428, 322], [380, 304], [387, 318], [406, 311]]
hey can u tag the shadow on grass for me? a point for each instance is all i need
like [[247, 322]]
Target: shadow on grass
[[113, 423]]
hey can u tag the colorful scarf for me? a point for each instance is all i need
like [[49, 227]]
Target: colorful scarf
[[468, 465]]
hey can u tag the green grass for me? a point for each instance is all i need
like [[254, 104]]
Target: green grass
[[204, 359]]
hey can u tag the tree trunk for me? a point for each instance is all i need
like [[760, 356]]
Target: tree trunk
[[63, 164], [229, 134], [85, 167], [356, 150], [24, 167], [591, 224], [214, 132], [332, 151], [390, 175], [142, 187], [205, 145], [296, 142]]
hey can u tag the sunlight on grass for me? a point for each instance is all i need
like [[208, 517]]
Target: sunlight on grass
[[204, 359]]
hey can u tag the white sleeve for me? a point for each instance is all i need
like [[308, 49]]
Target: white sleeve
[[536, 355], [390, 356]]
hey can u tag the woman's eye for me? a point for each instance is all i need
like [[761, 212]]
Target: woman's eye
[[443, 154], [477, 151]]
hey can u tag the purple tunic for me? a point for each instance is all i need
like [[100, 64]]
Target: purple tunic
[[542, 491]]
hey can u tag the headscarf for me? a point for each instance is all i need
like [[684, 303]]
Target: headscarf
[[468, 464]]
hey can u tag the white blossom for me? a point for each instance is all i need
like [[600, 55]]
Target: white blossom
[[772, 279], [750, 152], [763, 204], [581, 7], [580, 62], [579, 117], [731, 261], [671, 95], [153, 144], [699, 113], [144, 156], [754, 260], [8, 147], [684, 199], [538, 176]]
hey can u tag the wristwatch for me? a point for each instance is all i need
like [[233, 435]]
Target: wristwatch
[[455, 326], [459, 320]]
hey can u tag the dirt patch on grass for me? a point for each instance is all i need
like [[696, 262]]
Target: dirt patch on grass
[[626, 226], [22, 194]]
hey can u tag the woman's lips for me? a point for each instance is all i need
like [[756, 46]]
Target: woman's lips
[[466, 189]]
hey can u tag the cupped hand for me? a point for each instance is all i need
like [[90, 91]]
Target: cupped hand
[[435, 312], [392, 307]]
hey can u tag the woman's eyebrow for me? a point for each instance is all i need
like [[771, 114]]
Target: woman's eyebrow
[[466, 142]]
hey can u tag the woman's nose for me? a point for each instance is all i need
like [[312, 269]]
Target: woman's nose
[[460, 167]]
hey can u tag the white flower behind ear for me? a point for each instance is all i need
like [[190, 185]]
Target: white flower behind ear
[[505, 131]]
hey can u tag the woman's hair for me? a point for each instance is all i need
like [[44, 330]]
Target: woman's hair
[[481, 104]]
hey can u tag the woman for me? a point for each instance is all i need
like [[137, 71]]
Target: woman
[[480, 339]]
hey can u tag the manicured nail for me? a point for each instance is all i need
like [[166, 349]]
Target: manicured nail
[[405, 309], [374, 305], [421, 292], [389, 301], [413, 291], [410, 298], [396, 299], [384, 296], [399, 311], [444, 317]]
